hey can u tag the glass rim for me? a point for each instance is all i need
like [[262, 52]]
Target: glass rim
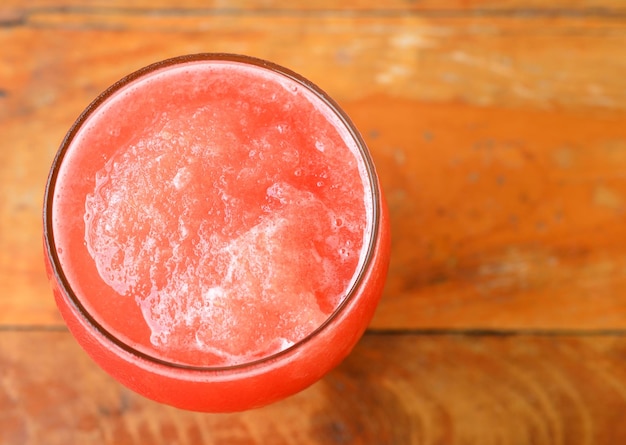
[[48, 232]]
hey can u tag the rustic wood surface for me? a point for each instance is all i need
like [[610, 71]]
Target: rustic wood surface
[[393, 389], [499, 132]]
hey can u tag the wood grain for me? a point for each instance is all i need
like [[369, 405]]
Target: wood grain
[[398, 389], [498, 129], [497, 225], [499, 140]]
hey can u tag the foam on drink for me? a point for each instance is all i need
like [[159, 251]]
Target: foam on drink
[[236, 221]]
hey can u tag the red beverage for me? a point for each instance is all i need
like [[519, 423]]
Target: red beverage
[[215, 232]]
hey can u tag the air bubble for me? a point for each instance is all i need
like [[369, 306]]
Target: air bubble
[[320, 183]]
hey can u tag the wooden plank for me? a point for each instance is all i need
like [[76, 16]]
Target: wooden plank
[[501, 218], [393, 389], [500, 143], [548, 63]]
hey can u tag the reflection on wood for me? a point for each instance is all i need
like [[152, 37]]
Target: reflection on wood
[[394, 389]]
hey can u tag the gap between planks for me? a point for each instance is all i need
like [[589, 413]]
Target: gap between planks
[[21, 16], [457, 332]]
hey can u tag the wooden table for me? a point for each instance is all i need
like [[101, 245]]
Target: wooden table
[[499, 133]]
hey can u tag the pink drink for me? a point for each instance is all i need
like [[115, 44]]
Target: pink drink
[[215, 232]]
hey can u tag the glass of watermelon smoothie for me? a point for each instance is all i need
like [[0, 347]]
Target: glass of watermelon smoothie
[[215, 232]]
